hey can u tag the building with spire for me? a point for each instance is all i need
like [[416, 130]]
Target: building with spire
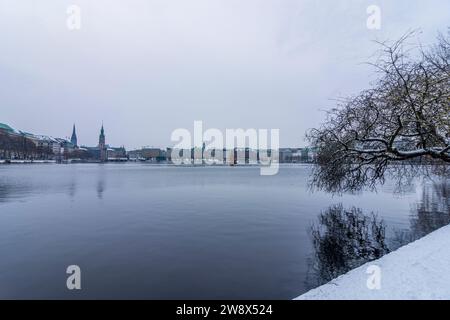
[[100, 153], [102, 145], [74, 139]]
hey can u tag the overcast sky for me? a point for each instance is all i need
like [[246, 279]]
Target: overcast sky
[[145, 68]]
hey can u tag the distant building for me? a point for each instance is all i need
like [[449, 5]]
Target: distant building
[[148, 154], [93, 153], [101, 153], [116, 154], [296, 155], [102, 146], [6, 129], [285, 155], [16, 144], [74, 139], [67, 146], [308, 154]]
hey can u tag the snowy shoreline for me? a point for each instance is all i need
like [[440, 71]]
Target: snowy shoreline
[[419, 270]]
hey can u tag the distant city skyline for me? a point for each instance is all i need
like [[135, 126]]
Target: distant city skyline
[[146, 68]]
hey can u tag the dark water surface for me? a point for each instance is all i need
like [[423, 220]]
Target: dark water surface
[[162, 232]]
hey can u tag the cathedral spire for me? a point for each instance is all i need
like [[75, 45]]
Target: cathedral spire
[[74, 139], [101, 140]]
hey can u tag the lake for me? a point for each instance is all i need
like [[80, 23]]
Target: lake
[[163, 232]]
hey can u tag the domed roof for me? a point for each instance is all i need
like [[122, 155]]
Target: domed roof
[[6, 127]]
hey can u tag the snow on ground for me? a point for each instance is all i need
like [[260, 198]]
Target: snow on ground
[[419, 270]]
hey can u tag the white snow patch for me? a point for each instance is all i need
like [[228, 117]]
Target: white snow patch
[[419, 270]]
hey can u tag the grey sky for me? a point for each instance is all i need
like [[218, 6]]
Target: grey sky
[[148, 67]]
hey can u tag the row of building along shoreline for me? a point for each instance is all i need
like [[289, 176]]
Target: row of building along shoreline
[[16, 145]]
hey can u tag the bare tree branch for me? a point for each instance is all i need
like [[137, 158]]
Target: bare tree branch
[[400, 127]]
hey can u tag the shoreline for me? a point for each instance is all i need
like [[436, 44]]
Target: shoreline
[[10, 162], [27, 162], [416, 271]]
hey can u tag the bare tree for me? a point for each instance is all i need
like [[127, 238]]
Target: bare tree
[[13, 146], [400, 127]]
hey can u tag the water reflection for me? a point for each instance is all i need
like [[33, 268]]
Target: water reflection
[[101, 183], [162, 216], [430, 213], [345, 239], [72, 186], [433, 211], [12, 189]]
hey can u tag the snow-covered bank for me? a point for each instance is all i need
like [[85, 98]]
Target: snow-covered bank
[[419, 270]]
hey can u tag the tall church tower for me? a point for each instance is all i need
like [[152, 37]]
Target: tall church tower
[[74, 139], [102, 146]]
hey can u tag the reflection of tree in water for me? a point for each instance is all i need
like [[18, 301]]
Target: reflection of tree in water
[[343, 240], [433, 211], [429, 214]]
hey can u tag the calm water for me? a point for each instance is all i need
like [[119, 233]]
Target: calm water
[[149, 231]]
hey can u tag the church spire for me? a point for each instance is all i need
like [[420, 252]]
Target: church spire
[[102, 145], [74, 139]]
